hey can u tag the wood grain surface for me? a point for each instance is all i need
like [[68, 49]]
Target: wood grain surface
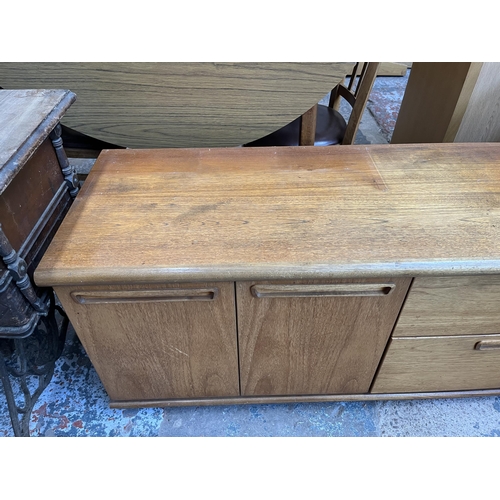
[[451, 306], [149, 349], [438, 364], [26, 119], [450, 102], [308, 127], [29, 193], [313, 345], [481, 119], [158, 105], [281, 213], [435, 100]]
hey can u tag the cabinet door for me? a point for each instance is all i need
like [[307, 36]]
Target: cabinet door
[[158, 341], [314, 337]]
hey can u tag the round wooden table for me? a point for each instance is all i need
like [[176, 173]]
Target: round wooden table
[[153, 105]]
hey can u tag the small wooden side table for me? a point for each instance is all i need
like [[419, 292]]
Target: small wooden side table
[[37, 186]]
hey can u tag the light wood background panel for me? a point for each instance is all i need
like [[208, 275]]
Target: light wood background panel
[[153, 105], [450, 102], [313, 345], [277, 213], [451, 306], [435, 100], [481, 121], [153, 347], [438, 364]]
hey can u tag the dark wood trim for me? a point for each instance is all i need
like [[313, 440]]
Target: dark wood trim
[[49, 211], [307, 132]]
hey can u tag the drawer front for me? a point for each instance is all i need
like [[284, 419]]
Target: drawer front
[[29, 194], [314, 337], [158, 341], [427, 364], [451, 306]]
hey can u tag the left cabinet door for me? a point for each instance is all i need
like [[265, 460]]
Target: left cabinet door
[[156, 342]]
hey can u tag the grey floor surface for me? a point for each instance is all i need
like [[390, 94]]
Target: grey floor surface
[[75, 403]]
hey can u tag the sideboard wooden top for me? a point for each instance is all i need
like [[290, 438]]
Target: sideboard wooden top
[[26, 119], [281, 213]]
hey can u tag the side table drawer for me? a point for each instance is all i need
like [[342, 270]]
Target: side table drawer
[[466, 305], [158, 341], [452, 363]]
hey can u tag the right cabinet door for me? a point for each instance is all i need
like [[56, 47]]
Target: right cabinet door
[[314, 337]]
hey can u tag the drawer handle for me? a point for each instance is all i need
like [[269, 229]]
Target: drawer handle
[[337, 290], [487, 345], [119, 296]]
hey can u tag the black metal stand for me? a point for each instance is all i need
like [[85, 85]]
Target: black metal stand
[[32, 356]]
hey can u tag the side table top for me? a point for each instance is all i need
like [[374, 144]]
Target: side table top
[[281, 213], [26, 119]]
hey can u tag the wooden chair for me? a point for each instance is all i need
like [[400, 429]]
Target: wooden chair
[[324, 125]]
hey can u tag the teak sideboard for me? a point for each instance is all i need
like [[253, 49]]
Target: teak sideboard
[[238, 275]]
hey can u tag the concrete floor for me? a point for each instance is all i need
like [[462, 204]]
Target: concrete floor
[[75, 403]]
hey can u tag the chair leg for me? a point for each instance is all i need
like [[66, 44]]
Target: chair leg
[[334, 101], [308, 127], [363, 91]]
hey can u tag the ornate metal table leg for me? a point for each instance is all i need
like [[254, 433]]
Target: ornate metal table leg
[[33, 356]]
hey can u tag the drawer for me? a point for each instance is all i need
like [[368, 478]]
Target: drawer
[[29, 194], [450, 363], [467, 305], [151, 342]]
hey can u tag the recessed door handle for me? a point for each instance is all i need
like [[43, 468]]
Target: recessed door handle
[[334, 290], [119, 296], [487, 345]]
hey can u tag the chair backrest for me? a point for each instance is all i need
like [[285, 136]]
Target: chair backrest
[[355, 95]]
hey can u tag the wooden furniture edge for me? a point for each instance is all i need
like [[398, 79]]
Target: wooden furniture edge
[[40, 133], [137, 276], [393, 69], [300, 399]]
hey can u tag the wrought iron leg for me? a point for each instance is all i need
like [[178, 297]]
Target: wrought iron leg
[[33, 356]]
